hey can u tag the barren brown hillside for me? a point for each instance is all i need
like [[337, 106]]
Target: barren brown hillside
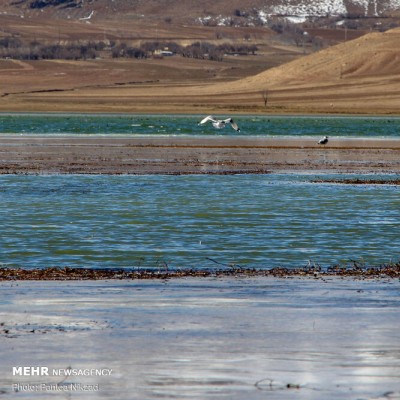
[[191, 9], [357, 76], [362, 75], [375, 55]]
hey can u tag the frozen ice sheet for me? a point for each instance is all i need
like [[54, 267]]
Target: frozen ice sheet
[[202, 339]]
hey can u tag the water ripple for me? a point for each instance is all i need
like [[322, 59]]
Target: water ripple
[[182, 221]]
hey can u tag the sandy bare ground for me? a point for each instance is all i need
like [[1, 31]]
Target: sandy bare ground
[[194, 155]]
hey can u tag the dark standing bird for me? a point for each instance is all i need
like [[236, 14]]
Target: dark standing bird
[[324, 140], [220, 123]]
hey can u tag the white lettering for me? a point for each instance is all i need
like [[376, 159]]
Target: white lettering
[[81, 372], [45, 371], [17, 371], [31, 371], [54, 387]]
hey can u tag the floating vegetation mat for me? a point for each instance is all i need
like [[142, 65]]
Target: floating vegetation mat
[[359, 181], [68, 274]]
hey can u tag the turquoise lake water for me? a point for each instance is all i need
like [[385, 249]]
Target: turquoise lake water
[[194, 221], [188, 125], [259, 221]]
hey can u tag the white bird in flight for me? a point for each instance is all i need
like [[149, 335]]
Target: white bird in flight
[[220, 123], [324, 140]]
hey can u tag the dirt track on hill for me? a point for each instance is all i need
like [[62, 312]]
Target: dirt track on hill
[[182, 155]]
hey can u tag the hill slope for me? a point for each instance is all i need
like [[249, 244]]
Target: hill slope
[[359, 76], [372, 55], [362, 75], [192, 9]]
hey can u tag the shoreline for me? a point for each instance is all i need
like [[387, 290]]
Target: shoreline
[[139, 155]]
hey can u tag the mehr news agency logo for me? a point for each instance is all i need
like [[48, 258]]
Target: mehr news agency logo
[[63, 373]]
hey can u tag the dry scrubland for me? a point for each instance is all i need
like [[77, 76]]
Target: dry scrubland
[[356, 76]]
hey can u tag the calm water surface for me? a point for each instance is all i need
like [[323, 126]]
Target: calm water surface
[[191, 338], [184, 221]]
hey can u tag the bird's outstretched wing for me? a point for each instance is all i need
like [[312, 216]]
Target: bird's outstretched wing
[[206, 119], [234, 125]]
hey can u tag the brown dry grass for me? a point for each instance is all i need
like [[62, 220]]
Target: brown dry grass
[[358, 76]]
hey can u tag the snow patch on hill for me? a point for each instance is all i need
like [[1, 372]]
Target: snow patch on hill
[[316, 8], [332, 7], [298, 11]]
